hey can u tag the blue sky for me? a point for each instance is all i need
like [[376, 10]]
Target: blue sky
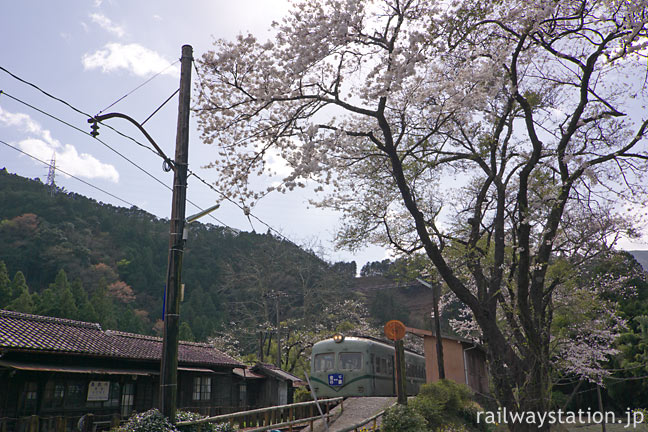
[[90, 54]]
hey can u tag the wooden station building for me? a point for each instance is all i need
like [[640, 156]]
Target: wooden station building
[[53, 371]]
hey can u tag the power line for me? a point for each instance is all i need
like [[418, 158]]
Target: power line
[[108, 146], [77, 110], [68, 174], [246, 210], [138, 87], [52, 116], [160, 107]]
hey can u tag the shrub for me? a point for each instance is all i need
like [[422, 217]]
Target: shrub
[[302, 394], [443, 402], [452, 395], [431, 409], [206, 427], [153, 421], [148, 421], [402, 418]]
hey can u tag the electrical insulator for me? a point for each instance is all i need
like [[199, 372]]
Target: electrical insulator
[[95, 129]]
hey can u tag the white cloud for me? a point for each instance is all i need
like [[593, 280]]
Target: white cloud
[[70, 160], [42, 145], [21, 121], [105, 23], [133, 57]]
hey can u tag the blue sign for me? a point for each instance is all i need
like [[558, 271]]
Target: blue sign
[[336, 379]]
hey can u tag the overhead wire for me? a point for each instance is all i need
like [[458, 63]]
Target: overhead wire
[[86, 133], [160, 107], [109, 147], [75, 109], [244, 208], [201, 84], [139, 86], [68, 174]]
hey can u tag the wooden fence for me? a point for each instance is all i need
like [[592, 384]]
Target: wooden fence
[[256, 420], [282, 416], [36, 423]]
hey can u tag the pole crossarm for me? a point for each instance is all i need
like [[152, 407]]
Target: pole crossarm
[[100, 118]]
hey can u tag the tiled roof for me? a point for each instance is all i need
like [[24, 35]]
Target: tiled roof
[[48, 334], [274, 370]]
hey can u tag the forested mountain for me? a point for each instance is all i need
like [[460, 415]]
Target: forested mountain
[[71, 256]]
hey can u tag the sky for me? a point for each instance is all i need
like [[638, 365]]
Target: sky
[[91, 54]]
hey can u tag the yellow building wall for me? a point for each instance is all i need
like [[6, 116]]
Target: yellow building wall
[[453, 360]]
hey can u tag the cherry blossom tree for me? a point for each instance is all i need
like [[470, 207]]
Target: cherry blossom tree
[[495, 137]]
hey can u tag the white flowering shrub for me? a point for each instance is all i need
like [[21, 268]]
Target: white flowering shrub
[[153, 421]]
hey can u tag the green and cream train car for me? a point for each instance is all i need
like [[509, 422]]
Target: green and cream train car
[[358, 366]]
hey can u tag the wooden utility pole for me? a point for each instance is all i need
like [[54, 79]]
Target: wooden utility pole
[[395, 330], [436, 294], [278, 333], [437, 330], [169, 364], [399, 367]]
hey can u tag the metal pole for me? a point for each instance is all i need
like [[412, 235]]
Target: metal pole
[[169, 363]]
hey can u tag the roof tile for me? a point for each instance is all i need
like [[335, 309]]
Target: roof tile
[[49, 334]]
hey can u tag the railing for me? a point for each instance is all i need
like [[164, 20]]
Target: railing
[[36, 423], [357, 427], [282, 416]]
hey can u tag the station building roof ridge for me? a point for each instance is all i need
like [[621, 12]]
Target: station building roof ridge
[[26, 332]]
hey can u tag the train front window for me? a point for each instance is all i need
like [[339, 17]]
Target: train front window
[[324, 362], [350, 361]]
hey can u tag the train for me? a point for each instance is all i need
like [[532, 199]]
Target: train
[[361, 366]]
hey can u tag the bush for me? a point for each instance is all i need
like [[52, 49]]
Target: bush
[[206, 427], [153, 421], [452, 395], [302, 394], [430, 409], [148, 421], [470, 413], [402, 418], [443, 402]]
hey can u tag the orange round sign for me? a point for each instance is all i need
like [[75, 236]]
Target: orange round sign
[[395, 330]]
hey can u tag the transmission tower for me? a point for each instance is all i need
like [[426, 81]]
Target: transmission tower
[[51, 174]]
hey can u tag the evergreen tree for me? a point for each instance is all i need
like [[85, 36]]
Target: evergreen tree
[[22, 301], [6, 294], [128, 321], [104, 306], [58, 300], [19, 285], [185, 333], [85, 309]]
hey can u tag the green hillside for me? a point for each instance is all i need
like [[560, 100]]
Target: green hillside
[[114, 265]]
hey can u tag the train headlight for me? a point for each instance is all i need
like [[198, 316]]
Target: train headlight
[[338, 337]]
